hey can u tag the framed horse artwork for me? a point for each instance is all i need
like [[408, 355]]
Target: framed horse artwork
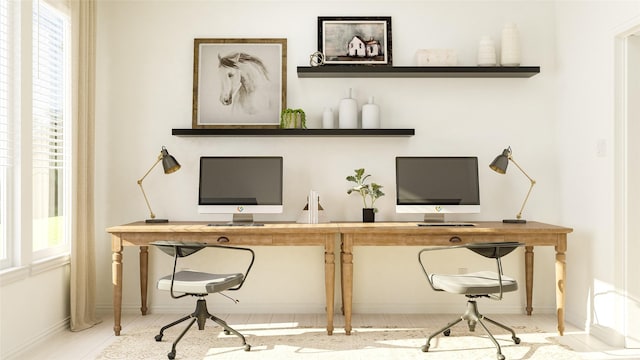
[[239, 82]]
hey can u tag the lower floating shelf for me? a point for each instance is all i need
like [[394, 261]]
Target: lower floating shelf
[[291, 132]]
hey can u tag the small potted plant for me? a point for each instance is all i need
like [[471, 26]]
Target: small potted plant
[[293, 119], [369, 192]]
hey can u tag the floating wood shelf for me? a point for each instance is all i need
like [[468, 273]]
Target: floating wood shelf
[[292, 132], [362, 71]]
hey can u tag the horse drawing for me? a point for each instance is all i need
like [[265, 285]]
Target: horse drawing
[[244, 83]]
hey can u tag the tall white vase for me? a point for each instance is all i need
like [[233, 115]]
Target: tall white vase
[[510, 51], [348, 112], [370, 115]]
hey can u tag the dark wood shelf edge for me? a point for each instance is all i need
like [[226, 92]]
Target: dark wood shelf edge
[[292, 132], [328, 71]]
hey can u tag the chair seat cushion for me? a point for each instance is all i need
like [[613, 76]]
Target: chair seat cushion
[[477, 283], [195, 282]]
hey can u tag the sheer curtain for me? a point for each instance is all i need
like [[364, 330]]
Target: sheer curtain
[[83, 271]]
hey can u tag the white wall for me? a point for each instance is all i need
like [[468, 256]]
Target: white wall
[[145, 89], [585, 36]]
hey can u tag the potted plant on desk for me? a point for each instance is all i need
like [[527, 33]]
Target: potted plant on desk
[[369, 192]]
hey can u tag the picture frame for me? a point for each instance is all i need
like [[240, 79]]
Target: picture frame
[[239, 83], [355, 40]]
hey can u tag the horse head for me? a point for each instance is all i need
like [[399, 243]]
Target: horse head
[[230, 77], [242, 80]]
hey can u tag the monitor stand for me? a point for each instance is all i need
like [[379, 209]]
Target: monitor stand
[[433, 218], [243, 220], [438, 220]]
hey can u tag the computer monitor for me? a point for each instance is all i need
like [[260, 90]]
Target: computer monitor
[[240, 185], [437, 186]]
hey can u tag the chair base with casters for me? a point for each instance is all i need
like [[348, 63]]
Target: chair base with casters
[[473, 317], [198, 284], [482, 284]]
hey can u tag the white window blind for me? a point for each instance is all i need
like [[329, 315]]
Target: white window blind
[[5, 130], [51, 66]]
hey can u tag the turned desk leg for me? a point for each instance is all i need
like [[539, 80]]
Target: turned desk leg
[[528, 265], [329, 280], [116, 279], [347, 280], [144, 268], [561, 274]]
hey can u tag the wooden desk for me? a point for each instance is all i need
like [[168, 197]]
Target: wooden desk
[[409, 234], [352, 234], [273, 234]]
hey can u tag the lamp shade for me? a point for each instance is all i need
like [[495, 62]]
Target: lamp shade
[[500, 163], [169, 163]]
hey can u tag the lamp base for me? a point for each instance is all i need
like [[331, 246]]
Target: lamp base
[[156, 221], [514, 221]]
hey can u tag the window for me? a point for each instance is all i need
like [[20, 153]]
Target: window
[[50, 115], [5, 131], [46, 126]]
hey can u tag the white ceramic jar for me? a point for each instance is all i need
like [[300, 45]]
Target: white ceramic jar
[[327, 119], [348, 112], [510, 49], [370, 115], [486, 52]]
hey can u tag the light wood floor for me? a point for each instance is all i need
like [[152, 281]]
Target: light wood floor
[[86, 345]]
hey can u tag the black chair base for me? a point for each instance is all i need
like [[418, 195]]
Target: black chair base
[[201, 314], [473, 317]]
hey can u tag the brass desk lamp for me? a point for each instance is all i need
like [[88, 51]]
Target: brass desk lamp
[[170, 165], [499, 165]]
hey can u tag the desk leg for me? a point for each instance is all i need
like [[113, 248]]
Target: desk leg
[[346, 257], [528, 265], [116, 279], [561, 274], [329, 280], [144, 268]]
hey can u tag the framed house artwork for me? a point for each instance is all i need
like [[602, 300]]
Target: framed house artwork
[[239, 82], [355, 40]]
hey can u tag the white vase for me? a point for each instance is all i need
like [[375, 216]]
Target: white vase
[[486, 52], [370, 115], [510, 50], [327, 119], [348, 113]]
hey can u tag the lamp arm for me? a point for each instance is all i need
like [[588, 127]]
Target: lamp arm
[[151, 214], [533, 182]]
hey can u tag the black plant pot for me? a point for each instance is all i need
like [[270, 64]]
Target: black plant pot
[[368, 215]]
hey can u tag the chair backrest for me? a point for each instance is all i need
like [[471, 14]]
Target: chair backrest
[[494, 250]]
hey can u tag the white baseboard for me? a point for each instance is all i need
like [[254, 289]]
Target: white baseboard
[[38, 336]]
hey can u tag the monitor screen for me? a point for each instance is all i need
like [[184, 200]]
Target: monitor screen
[[437, 185], [240, 185]]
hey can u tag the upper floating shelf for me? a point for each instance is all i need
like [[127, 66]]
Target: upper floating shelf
[[292, 132], [363, 71]]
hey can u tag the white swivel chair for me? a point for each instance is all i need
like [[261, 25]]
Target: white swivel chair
[[199, 284], [474, 285]]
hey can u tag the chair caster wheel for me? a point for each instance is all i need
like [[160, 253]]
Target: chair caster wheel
[[516, 340], [171, 355], [425, 348], [227, 332], [158, 337], [247, 347], [447, 332], [500, 357]]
